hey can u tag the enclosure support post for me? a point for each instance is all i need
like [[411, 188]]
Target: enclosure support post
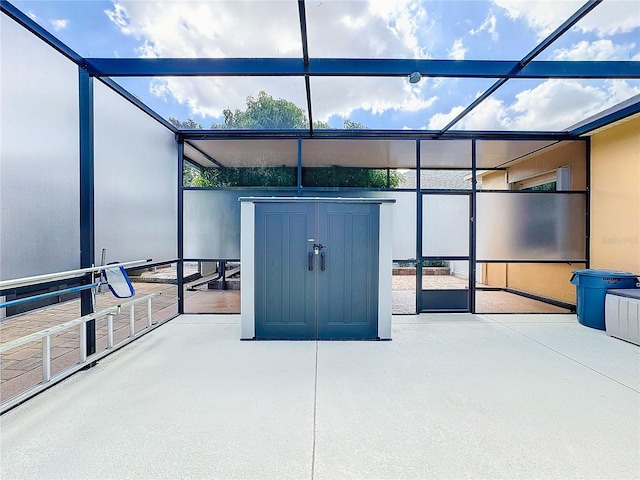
[[472, 231], [87, 214], [418, 231], [180, 263], [588, 202], [299, 169]]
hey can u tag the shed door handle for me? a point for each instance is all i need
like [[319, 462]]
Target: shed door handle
[[311, 261], [323, 262]]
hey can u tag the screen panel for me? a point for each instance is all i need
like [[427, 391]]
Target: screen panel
[[446, 154], [364, 153], [212, 220], [136, 182], [404, 217], [39, 170], [445, 225], [531, 226]]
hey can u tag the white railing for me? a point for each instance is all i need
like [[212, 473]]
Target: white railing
[[45, 337], [52, 277]]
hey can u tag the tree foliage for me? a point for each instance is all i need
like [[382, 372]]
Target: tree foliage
[[247, 177], [267, 113], [189, 124], [338, 176]]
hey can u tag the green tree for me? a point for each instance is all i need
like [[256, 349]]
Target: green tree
[[351, 125], [338, 176], [267, 113], [188, 124]]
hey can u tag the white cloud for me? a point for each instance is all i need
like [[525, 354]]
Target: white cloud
[[544, 16], [148, 50], [120, 17], [440, 120], [612, 17], [370, 94], [555, 105], [489, 25], [598, 50], [32, 16], [457, 51], [59, 24], [238, 29], [551, 105], [402, 19]]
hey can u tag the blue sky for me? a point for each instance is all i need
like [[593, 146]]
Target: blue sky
[[497, 30]]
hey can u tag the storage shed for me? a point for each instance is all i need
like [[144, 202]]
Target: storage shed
[[316, 268]]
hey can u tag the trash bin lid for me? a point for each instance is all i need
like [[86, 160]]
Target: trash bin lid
[[604, 273]]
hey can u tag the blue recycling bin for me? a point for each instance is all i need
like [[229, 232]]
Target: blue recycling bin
[[591, 290]]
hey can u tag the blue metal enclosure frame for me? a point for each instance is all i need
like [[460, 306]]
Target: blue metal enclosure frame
[[527, 68]]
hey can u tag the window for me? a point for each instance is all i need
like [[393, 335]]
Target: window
[[555, 180]]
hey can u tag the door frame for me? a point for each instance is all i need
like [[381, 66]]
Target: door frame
[[446, 300]]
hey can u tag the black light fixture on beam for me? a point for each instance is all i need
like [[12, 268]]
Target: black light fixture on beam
[[415, 77]]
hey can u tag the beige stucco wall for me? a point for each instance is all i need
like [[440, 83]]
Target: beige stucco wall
[[494, 274], [615, 197], [495, 180], [547, 280], [570, 154]]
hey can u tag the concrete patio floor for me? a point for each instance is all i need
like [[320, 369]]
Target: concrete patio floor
[[451, 396]]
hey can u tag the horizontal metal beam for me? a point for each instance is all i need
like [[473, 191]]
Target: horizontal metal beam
[[357, 67], [371, 135]]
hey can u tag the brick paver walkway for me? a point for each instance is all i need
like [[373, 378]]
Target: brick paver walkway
[[22, 367]]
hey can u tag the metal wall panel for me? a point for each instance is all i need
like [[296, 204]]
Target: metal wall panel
[[212, 220], [136, 182], [404, 217], [531, 226], [445, 225], [39, 157], [445, 153]]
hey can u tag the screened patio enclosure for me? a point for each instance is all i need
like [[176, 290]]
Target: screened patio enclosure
[[87, 166], [442, 218]]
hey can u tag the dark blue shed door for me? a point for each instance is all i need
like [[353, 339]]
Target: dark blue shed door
[[285, 286], [348, 286], [316, 270]]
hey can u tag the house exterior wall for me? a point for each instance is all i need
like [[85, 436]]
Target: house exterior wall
[[546, 280], [571, 154], [615, 197], [494, 274]]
